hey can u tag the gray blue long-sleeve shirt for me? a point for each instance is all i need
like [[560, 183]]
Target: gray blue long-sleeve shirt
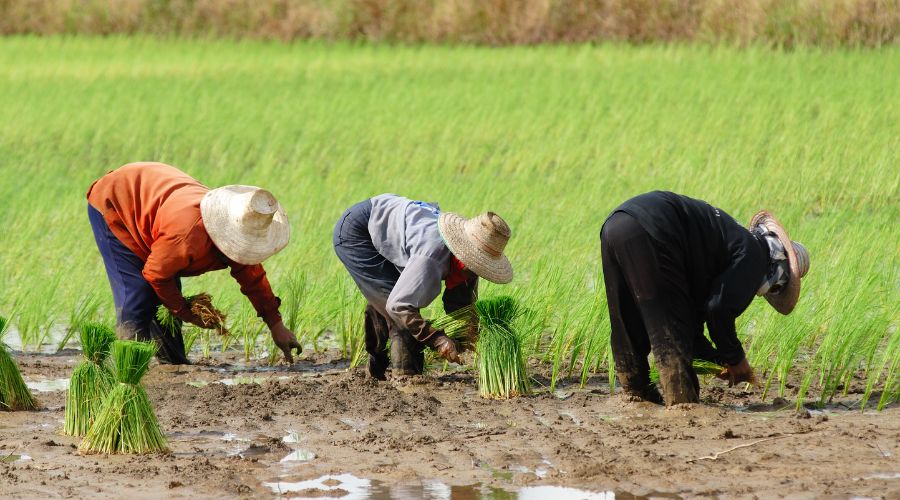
[[405, 232]]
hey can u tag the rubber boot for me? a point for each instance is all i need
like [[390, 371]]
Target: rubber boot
[[639, 386], [376, 328], [169, 345], [407, 354], [678, 380]]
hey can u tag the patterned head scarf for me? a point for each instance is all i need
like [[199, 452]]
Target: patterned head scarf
[[779, 270]]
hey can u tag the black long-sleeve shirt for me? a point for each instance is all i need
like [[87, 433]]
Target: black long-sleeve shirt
[[724, 262]]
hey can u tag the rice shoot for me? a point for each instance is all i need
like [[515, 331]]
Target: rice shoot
[[126, 422], [14, 394], [500, 355], [91, 380]]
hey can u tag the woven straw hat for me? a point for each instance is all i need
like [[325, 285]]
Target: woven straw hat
[[479, 243], [785, 299], [245, 222]]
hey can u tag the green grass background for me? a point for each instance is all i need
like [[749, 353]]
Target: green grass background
[[552, 138]]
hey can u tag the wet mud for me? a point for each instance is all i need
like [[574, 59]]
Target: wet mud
[[315, 429]]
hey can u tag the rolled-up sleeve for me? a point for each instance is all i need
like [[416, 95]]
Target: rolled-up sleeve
[[419, 284], [255, 285]]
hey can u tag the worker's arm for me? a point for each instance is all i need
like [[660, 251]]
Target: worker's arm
[[167, 258], [419, 284], [730, 295], [255, 285]]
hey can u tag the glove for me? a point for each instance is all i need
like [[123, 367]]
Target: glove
[[445, 347]]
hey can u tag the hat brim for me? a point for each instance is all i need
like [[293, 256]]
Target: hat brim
[[494, 269], [786, 299], [242, 244]]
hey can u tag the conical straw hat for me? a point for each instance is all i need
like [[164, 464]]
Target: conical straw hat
[[479, 243], [245, 222], [785, 299]]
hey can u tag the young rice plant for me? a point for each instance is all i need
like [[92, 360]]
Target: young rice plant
[[126, 422], [91, 380]]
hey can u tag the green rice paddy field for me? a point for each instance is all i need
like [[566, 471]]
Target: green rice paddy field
[[552, 138]]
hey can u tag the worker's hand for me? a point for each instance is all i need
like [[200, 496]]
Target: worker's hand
[[735, 374], [285, 340], [445, 347]]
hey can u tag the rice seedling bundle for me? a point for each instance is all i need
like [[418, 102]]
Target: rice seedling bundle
[[126, 422], [91, 380], [500, 356], [202, 307], [14, 394], [460, 325]]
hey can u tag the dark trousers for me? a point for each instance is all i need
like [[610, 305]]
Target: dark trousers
[[649, 310], [136, 301], [375, 276]]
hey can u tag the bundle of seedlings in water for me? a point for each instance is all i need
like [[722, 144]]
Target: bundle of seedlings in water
[[126, 422], [91, 380], [14, 394], [201, 306], [500, 354], [701, 368]]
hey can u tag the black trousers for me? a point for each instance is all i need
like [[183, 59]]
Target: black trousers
[[650, 310]]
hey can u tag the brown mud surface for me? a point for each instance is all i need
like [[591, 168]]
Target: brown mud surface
[[433, 437]]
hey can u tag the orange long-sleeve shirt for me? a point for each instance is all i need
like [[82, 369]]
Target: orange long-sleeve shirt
[[154, 210]]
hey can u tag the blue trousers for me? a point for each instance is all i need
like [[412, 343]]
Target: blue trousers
[[136, 301]]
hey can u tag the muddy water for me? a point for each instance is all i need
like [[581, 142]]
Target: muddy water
[[316, 429]]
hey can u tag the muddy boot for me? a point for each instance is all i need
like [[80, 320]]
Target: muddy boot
[[678, 380], [407, 354], [376, 343], [639, 387], [169, 344]]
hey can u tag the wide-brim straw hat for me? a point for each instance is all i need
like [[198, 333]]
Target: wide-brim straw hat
[[785, 299], [479, 243], [246, 223]]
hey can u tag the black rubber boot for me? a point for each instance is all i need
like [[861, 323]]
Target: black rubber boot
[[376, 328], [638, 386], [169, 344], [678, 380], [407, 354]]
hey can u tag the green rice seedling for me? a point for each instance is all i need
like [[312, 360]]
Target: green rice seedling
[[126, 422], [190, 336], [91, 380], [500, 356], [291, 306], [83, 312], [14, 394], [460, 325]]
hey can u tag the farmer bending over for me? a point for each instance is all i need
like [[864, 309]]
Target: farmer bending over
[[670, 264], [398, 251], [155, 224]]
